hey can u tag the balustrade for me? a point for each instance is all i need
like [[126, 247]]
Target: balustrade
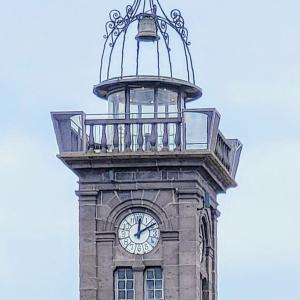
[[122, 135], [222, 151], [195, 130]]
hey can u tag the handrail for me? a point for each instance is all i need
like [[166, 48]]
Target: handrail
[[132, 121]]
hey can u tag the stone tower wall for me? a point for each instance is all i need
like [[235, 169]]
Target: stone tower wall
[[175, 196]]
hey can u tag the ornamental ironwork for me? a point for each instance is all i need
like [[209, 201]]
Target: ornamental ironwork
[[117, 29]]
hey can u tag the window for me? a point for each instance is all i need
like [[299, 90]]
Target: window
[[205, 289], [124, 284], [142, 103], [116, 105], [153, 284]]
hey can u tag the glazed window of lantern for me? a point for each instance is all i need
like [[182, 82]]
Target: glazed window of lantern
[[153, 284], [124, 284]]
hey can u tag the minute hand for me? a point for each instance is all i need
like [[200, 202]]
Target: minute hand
[[146, 228]]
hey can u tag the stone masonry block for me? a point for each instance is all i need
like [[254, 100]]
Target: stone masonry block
[[170, 252], [164, 198], [149, 175], [86, 212], [88, 294], [107, 196]]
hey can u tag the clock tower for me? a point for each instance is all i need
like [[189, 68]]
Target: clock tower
[[150, 169]]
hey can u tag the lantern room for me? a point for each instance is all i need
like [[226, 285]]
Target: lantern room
[[146, 96], [141, 94]]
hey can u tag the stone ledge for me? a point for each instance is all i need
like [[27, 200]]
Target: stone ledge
[[205, 161], [170, 235], [105, 236]]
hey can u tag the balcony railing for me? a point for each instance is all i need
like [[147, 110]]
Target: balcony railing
[[143, 134], [194, 129]]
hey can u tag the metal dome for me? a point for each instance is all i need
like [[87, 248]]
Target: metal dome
[[151, 24]]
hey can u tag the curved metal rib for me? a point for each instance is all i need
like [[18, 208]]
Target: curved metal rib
[[118, 25]]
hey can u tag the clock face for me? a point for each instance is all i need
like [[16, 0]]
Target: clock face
[[138, 233]]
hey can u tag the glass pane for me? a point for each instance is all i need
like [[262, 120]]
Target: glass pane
[[129, 294], [150, 294], [121, 295], [142, 103], [129, 274], [129, 285], [116, 105], [196, 130], [150, 274], [158, 273], [158, 294], [121, 285], [167, 103], [158, 284], [150, 284], [121, 274]]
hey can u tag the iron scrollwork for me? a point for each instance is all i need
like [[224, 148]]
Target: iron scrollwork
[[118, 25], [179, 24]]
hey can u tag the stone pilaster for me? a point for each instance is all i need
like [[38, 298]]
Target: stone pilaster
[[105, 271], [138, 269], [87, 245], [215, 215], [170, 264], [188, 201]]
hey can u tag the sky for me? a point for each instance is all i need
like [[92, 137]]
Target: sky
[[247, 61]]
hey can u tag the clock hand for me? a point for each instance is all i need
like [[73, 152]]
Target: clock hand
[[141, 231]]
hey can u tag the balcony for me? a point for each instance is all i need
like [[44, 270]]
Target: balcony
[[191, 131]]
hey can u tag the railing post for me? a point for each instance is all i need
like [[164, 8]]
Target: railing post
[[165, 140], [91, 139], [222, 151], [103, 139], [84, 133], [127, 138], [140, 139], [178, 137], [227, 150], [153, 137], [79, 140], [116, 138], [178, 125]]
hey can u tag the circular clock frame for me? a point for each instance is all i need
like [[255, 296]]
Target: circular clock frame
[[139, 233]]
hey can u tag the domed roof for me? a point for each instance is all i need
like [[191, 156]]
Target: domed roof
[[125, 52]]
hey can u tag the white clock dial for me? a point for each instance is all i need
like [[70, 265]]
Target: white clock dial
[[138, 233]]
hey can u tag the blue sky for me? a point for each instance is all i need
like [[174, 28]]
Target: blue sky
[[247, 60]]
